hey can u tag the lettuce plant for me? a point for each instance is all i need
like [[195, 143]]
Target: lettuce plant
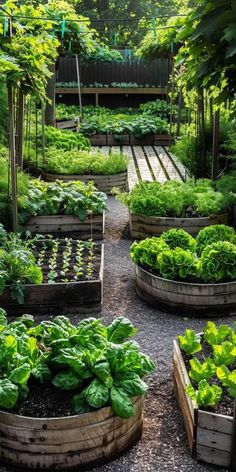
[[190, 342], [218, 262], [178, 238], [224, 353], [146, 252], [206, 395], [203, 371], [177, 264], [214, 335], [213, 234], [228, 379]]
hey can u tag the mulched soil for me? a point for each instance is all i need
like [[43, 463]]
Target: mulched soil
[[163, 447]]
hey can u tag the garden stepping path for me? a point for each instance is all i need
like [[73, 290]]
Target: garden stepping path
[[150, 163]]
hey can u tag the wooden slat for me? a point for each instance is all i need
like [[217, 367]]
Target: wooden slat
[[182, 169], [142, 164], [167, 163], [132, 173], [215, 422], [157, 170], [105, 150], [213, 456], [214, 439]]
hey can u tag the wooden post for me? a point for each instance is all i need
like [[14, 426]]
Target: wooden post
[[215, 147], [78, 84], [50, 110], [12, 158], [180, 105], [43, 134], [233, 449], [20, 129]]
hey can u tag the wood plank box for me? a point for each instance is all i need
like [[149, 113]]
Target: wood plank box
[[92, 227], [142, 227], [69, 443], [209, 434], [59, 298]]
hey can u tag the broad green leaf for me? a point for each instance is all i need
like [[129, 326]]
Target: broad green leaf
[[102, 371], [122, 404], [224, 354], [20, 375], [133, 385], [120, 329], [80, 405], [96, 394], [190, 342], [42, 373], [67, 380], [8, 394], [202, 371], [216, 336]]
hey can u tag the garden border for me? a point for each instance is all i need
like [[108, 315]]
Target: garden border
[[103, 183]]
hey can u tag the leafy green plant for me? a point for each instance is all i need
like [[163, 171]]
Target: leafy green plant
[[63, 139], [146, 252], [203, 371], [218, 262], [228, 379], [178, 238], [213, 234], [214, 335], [224, 353], [190, 342], [177, 264], [206, 395]]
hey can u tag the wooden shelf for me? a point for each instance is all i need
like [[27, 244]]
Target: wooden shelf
[[114, 90]]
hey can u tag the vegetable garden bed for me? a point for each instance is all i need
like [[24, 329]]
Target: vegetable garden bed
[[209, 433], [64, 443], [130, 139], [103, 183], [142, 227], [91, 227]]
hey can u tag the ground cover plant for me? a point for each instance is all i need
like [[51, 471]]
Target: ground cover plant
[[83, 162], [175, 255], [211, 363], [174, 199], [92, 364], [38, 260], [140, 125]]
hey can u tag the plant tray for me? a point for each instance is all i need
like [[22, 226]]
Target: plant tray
[[142, 227], [93, 227], [68, 443], [194, 299], [104, 183], [209, 434], [59, 298]]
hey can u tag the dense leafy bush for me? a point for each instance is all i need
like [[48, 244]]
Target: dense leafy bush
[[174, 199], [98, 364], [156, 108], [173, 257], [121, 124], [213, 234], [217, 347], [83, 162]]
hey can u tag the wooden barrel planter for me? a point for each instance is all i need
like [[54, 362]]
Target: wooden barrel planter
[[142, 227], [92, 227], [103, 183], [184, 297], [68, 443], [209, 434], [58, 298]]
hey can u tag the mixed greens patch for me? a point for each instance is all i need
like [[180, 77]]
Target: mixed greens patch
[[100, 365]]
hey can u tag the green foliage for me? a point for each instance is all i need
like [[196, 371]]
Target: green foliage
[[97, 363], [175, 264], [156, 108], [121, 124], [218, 262], [214, 234], [83, 162], [174, 199], [204, 371], [227, 186], [190, 342], [66, 140], [206, 395], [214, 335], [224, 353], [147, 251], [178, 238], [103, 54], [228, 379]]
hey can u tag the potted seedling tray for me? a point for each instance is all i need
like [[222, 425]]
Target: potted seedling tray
[[91, 227], [72, 280], [194, 299], [103, 183], [75, 442], [209, 434], [142, 226]]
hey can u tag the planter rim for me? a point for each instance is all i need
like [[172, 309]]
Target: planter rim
[[90, 176], [179, 217], [177, 282]]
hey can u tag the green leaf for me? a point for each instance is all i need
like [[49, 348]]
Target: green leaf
[[120, 329], [133, 385], [67, 380], [206, 395], [20, 375], [80, 405], [122, 404], [102, 371], [8, 394], [96, 394], [224, 353], [216, 336], [3, 317], [199, 371], [42, 373], [191, 342]]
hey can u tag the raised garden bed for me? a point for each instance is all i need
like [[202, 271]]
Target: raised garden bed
[[92, 227], [130, 139], [58, 293], [103, 183], [142, 227], [184, 297], [209, 434], [64, 443]]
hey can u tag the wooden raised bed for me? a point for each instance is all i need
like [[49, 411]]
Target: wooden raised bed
[[142, 227], [92, 227], [209, 434], [58, 298], [67, 124], [120, 140], [103, 183], [75, 442], [98, 139], [130, 139], [185, 297]]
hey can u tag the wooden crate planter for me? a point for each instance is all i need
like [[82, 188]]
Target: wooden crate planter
[[130, 139], [209, 434], [58, 298], [120, 140], [142, 227], [185, 297], [93, 226], [98, 139], [104, 183], [80, 441], [142, 141], [162, 140]]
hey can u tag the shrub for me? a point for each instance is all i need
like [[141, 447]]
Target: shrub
[[212, 234]]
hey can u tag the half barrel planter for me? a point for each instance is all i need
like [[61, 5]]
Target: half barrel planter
[[194, 299], [210, 435], [142, 227], [58, 298], [91, 227], [103, 183], [68, 443]]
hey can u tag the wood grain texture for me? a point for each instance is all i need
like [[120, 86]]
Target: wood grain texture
[[104, 183], [92, 227], [66, 443], [142, 227]]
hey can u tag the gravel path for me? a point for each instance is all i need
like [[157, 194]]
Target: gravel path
[[163, 446]]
